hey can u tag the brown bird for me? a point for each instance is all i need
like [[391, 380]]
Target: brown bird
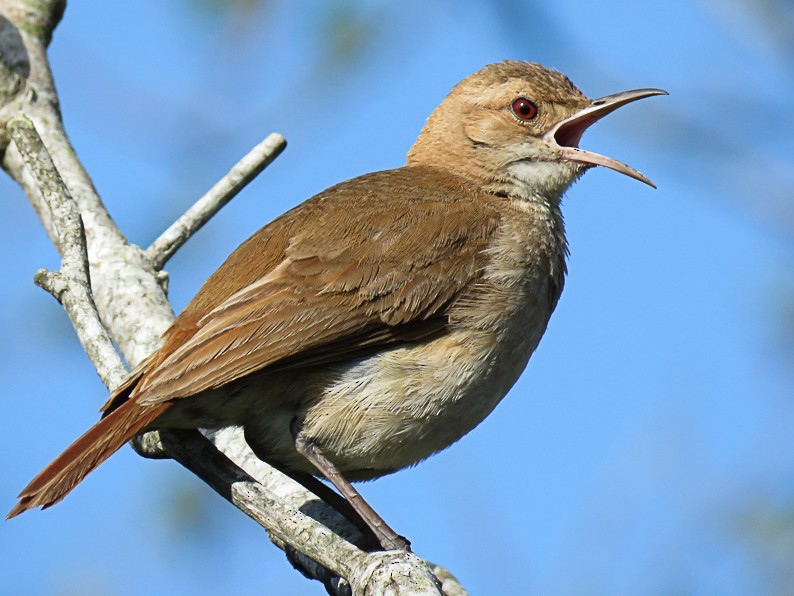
[[383, 319]]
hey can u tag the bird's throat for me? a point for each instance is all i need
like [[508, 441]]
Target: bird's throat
[[544, 181]]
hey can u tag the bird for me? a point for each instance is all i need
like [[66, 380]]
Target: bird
[[381, 320]]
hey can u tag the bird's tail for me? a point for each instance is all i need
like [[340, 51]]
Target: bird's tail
[[97, 444]]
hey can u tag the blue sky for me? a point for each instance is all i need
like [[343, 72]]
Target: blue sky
[[652, 423]]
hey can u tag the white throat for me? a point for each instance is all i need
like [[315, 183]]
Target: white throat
[[542, 179]]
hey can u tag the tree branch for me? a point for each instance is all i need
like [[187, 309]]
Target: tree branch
[[128, 296], [298, 529], [71, 285], [243, 172]]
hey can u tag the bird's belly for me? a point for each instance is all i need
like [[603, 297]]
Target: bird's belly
[[384, 412]]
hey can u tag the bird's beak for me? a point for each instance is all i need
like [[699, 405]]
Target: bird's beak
[[565, 135]]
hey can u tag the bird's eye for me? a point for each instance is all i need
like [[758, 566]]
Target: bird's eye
[[524, 109]]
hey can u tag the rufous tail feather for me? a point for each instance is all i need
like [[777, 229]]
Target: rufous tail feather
[[97, 444]]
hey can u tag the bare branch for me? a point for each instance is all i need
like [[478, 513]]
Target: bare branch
[[71, 285], [368, 573], [130, 301], [243, 172]]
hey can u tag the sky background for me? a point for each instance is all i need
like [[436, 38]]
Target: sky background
[[647, 449]]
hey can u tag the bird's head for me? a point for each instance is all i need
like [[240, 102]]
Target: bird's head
[[515, 127]]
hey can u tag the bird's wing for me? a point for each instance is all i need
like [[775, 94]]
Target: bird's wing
[[350, 270]]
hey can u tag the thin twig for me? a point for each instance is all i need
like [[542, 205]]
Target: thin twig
[[243, 172], [71, 285]]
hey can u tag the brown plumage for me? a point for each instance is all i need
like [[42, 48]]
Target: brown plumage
[[97, 444], [381, 320], [288, 298]]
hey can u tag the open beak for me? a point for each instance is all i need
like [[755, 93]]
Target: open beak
[[565, 135]]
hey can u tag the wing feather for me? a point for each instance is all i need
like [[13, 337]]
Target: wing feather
[[350, 270]]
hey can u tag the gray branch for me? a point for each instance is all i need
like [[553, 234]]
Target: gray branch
[[71, 285], [111, 289], [302, 526], [248, 168]]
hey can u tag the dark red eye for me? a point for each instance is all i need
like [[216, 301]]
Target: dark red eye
[[524, 109]]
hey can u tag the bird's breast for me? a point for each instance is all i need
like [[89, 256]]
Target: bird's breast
[[389, 410]]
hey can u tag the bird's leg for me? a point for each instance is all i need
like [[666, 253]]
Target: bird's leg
[[334, 499], [387, 537]]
